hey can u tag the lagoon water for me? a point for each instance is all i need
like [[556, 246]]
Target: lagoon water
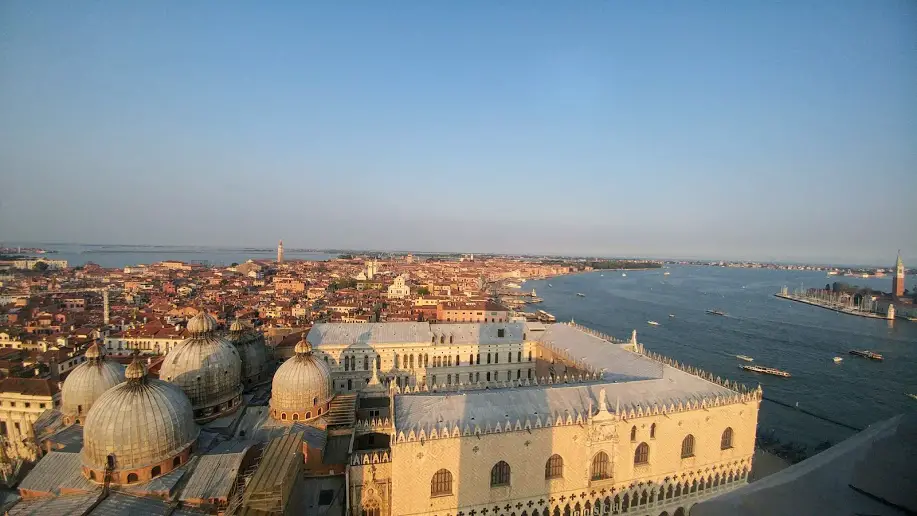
[[791, 336]]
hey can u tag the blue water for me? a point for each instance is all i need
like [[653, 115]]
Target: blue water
[[797, 338], [119, 256]]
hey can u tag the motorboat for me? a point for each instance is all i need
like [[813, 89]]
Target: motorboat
[[838, 360], [580, 294], [652, 323], [745, 358], [716, 312]]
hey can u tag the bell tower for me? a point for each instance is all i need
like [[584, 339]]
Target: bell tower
[[280, 252], [898, 281]]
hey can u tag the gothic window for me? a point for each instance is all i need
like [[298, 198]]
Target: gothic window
[[442, 339], [441, 485], [687, 447], [726, 440], [499, 474], [633, 434], [653, 431], [554, 468], [600, 466], [371, 509], [642, 454]]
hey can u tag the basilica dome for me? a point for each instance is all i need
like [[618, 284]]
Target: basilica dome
[[302, 386], [207, 367], [87, 382], [254, 354], [143, 428]]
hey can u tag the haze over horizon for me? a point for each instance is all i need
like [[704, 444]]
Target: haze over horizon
[[711, 130]]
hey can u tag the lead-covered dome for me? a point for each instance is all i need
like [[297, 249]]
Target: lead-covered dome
[[252, 351], [302, 386], [207, 368], [145, 425], [87, 382]]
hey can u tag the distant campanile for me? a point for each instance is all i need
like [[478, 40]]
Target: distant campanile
[[898, 281], [280, 252]]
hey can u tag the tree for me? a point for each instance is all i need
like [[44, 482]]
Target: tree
[[423, 291], [40, 266]]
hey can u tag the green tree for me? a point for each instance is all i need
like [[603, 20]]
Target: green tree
[[423, 291], [40, 266]]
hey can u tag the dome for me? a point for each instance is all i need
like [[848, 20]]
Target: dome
[[207, 367], [202, 323], [236, 326], [144, 423], [302, 386], [87, 382]]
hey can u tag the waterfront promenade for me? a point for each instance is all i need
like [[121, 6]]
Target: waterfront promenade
[[844, 309]]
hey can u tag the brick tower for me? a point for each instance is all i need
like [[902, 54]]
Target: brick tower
[[898, 281]]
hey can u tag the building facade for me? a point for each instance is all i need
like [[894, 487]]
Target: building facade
[[22, 401]]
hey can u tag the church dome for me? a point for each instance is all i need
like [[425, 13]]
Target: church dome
[[145, 425], [302, 387], [251, 348], [207, 368], [87, 382]]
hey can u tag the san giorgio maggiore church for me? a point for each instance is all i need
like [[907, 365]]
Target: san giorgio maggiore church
[[499, 419]]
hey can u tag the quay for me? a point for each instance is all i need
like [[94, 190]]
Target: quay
[[830, 306]]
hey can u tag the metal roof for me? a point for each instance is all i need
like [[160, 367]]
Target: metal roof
[[164, 484], [371, 334], [72, 505], [56, 471], [120, 504], [214, 476], [482, 333], [69, 438], [628, 378], [279, 457]]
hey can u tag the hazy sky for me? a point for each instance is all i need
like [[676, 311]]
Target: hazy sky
[[712, 129]]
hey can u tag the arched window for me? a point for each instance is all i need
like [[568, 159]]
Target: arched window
[[726, 440], [653, 431], [131, 478], [642, 454], [471, 359], [442, 339], [411, 360], [458, 360], [396, 360], [365, 363], [633, 434], [378, 362], [156, 471], [499, 474], [371, 509], [295, 416], [687, 447], [441, 485], [450, 339], [346, 364], [315, 401], [309, 415], [426, 360], [488, 358], [554, 468], [283, 416], [509, 357], [600, 466]]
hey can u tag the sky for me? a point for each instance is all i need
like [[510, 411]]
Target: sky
[[712, 129]]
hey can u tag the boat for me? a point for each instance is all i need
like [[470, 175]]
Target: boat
[[652, 323], [838, 360], [913, 396], [550, 285], [671, 315], [745, 358], [716, 312], [513, 285], [580, 294], [865, 353], [666, 273], [765, 370], [601, 275], [624, 274]]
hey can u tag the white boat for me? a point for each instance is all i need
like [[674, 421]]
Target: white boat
[[601, 275], [671, 315], [624, 274], [652, 323], [550, 285], [745, 358], [913, 396], [580, 294], [666, 273], [838, 360]]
